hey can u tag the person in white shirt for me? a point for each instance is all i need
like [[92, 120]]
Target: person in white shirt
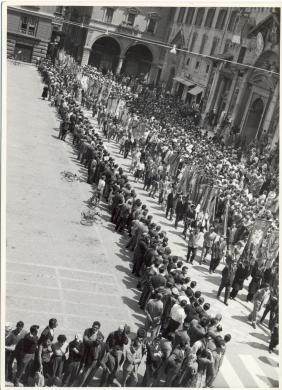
[[177, 316], [100, 187]]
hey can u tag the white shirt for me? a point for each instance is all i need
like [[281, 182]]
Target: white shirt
[[177, 313], [101, 185]]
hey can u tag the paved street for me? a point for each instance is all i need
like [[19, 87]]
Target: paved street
[[58, 268]]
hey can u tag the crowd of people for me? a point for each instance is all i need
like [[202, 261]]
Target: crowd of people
[[217, 190]]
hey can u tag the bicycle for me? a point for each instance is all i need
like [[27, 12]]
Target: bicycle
[[94, 200], [69, 176], [89, 217]]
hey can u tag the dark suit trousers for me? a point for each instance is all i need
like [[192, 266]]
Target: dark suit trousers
[[226, 293]]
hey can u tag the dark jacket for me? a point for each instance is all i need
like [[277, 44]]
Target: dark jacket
[[179, 210], [228, 274], [116, 339], [45, 335], [26, 345], [92, 349], [170, 200], [241, 274]]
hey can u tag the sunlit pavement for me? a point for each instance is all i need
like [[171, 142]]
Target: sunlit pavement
[[58, 268]]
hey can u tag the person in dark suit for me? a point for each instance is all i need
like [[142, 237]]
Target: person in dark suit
[[179, 210], [170, 203], [228, 274], [241, 274], [11, 342], [44, 92], [25, 352], [73, 362], [257, 275], [48, 332]]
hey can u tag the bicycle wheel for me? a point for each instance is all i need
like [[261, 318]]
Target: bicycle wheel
[[86, 222]]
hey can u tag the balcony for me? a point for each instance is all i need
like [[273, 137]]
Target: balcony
[[126, 28]]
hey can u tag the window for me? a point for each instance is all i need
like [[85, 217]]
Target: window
[[24, 24], [194, 37], [109, 15], [181, 15], [190, 16], [227, 45], [28, 25], [209, 18], [188, 61], [59, 10], [199, 17], [214, 45], [241, 56], [221, 19], [31, 26], [131, 19], [232, 21], [203, 43], [152, 26], [197, 65], [207, 68]]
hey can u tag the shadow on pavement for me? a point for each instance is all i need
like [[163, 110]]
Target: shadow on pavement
[[268, 360], [267, 379], [256, 345], [260, 336]]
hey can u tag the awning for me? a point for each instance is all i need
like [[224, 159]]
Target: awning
[[195, 91], [188, 83]]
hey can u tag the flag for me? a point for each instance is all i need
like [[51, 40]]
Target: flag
[[255, 238], [183, 181], [272, 247], [225, 220]]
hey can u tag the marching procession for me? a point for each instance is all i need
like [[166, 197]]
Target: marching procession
[[220, 191]]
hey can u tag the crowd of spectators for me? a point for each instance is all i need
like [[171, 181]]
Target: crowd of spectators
[[182, 343]]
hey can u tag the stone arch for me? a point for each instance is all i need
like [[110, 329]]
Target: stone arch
[[253, 119], [138, 59], [153, 50], [105, 53]]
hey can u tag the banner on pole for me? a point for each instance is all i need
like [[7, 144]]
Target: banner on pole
[[255, 238]]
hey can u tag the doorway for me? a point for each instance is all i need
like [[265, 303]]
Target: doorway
[[253, 120], [23, 52]]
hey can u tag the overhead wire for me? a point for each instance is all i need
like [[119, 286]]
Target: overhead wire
[[159, 43]]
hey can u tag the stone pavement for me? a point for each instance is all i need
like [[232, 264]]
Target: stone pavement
[[57, 267]]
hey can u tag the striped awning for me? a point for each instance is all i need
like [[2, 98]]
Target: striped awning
[[196, 90]]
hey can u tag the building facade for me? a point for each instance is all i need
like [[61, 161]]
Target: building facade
[[121, 39], [216, 44], [30, 29]]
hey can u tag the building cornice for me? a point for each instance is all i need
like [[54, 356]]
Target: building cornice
[[27, 36], [31, 12]]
